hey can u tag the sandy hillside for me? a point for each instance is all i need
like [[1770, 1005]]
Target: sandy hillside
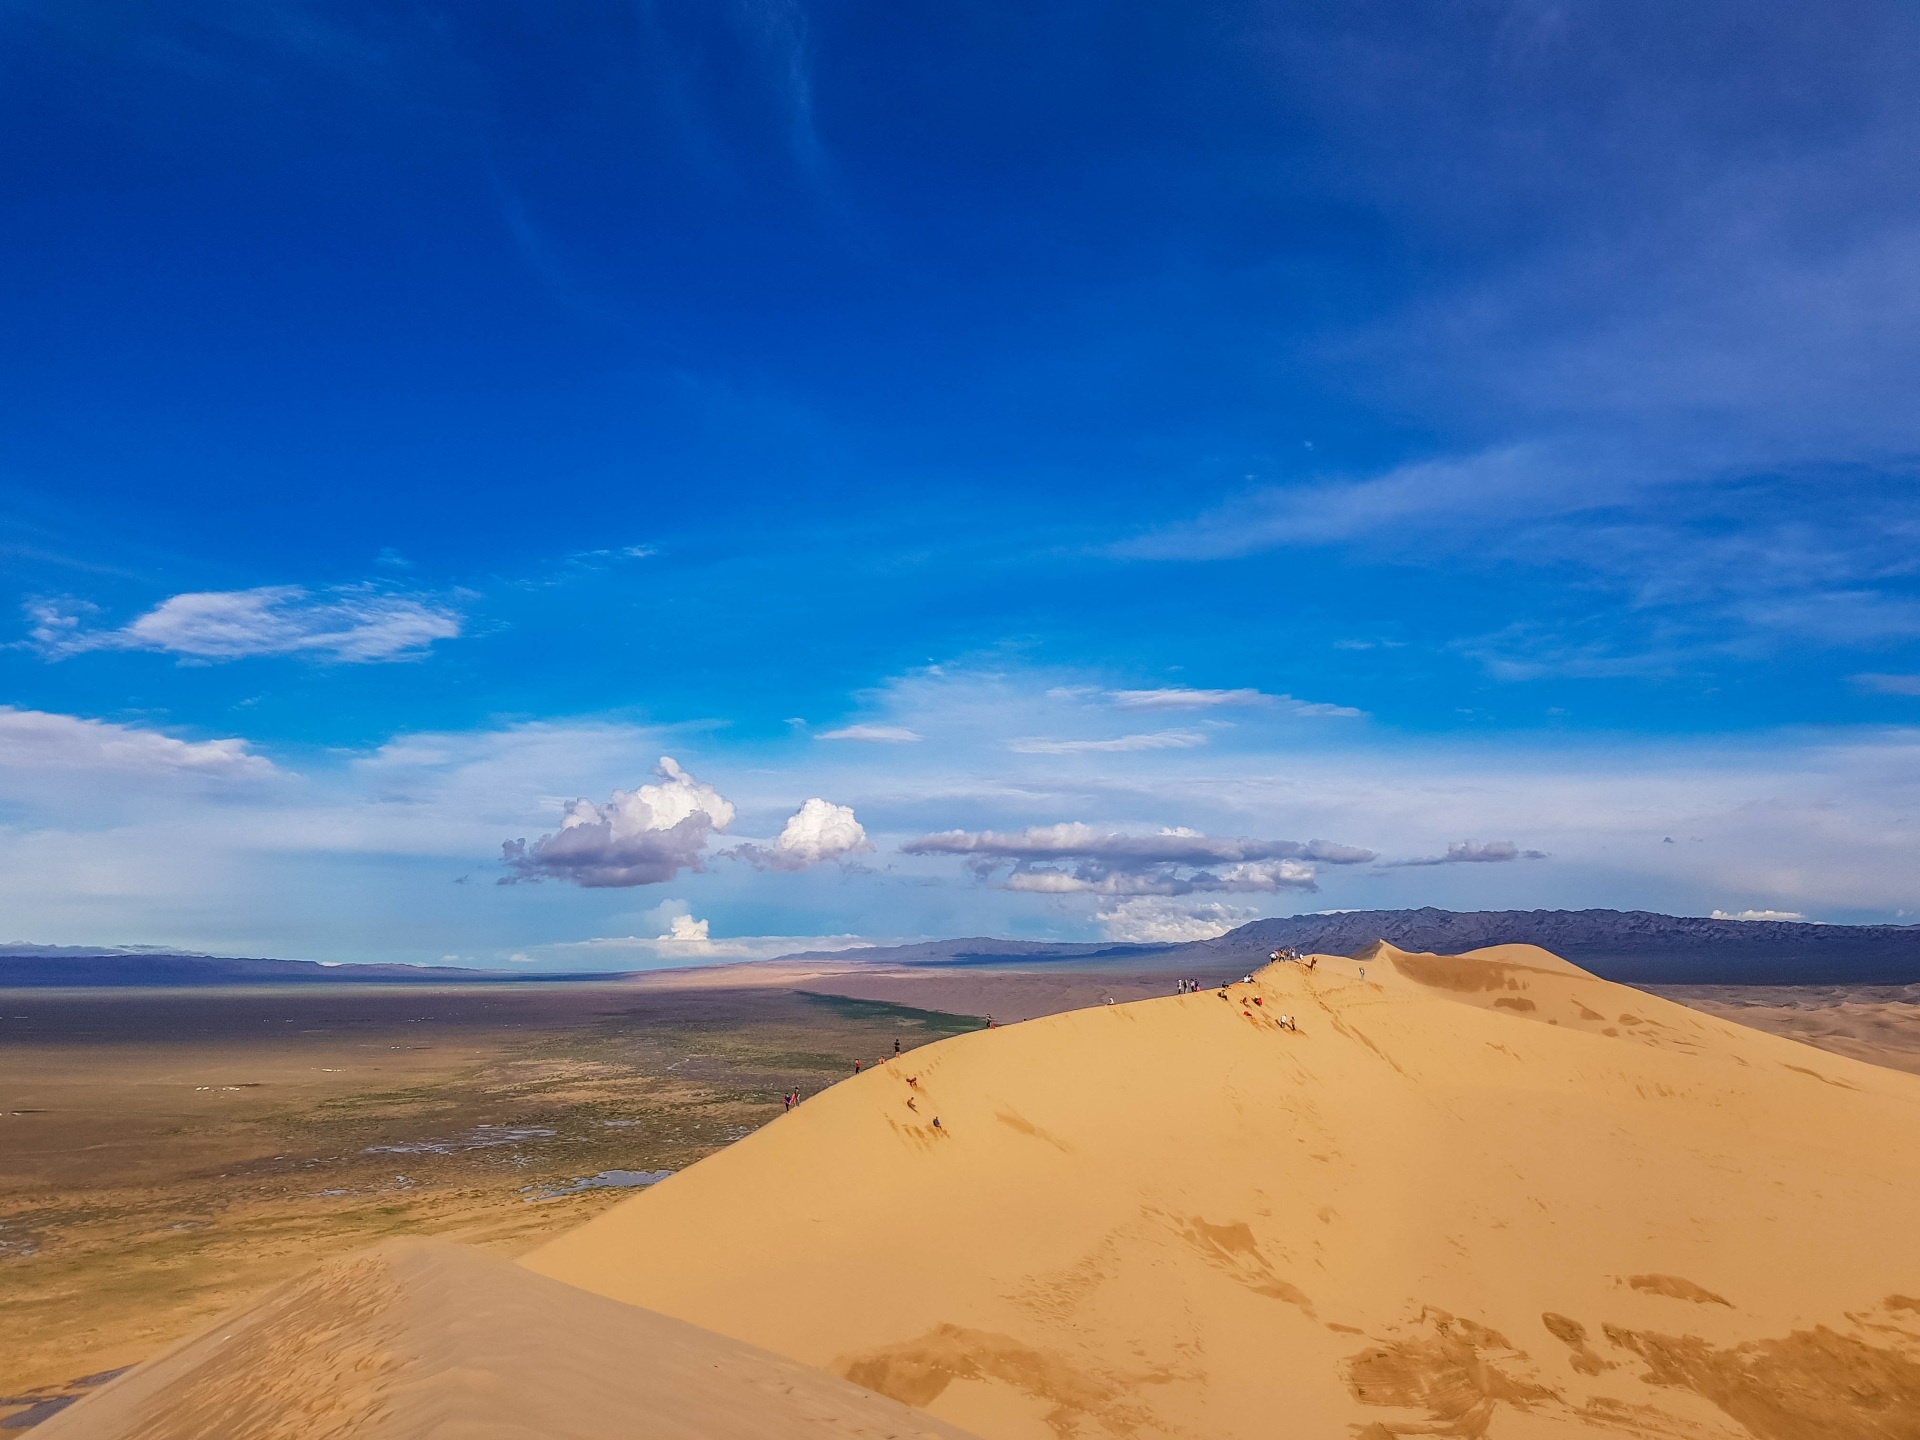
[[422, 1338], [1480, 1195], [1876, 1023]]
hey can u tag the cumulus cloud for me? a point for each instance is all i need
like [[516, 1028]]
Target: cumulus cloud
[[1182, 699], [640, 837], [1472, 852], [685, 932], [1150, 920], [1078, 859], [1758, 915], [817, 832], [683, 940], [38, 741], [1159, 740], [874, 734], [355, 624]]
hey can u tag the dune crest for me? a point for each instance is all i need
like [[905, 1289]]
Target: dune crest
[[1480, 1195], [422, 1338]]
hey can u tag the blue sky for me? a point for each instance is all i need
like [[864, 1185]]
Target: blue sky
[[1481, 436]]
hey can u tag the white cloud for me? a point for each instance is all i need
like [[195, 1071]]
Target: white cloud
[[873, 734], [1078, 859], [35, 740], [1159, 740], [356, 624], [1423, 497], [1175, 698], [1471, 852], [817, 832], [1254, 878], [353, 857], [640, 837], [1172, 846], [1759, 915], [1153, 921], [1181, 699], [684, 940], [683, 931]]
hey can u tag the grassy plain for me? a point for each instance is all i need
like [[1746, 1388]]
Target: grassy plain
[[166, 1154]]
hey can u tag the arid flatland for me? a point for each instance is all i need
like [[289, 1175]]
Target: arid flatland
[[168, 1153]]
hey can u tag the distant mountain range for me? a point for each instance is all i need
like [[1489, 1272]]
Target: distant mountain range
[[1633, 946], [50, 965]]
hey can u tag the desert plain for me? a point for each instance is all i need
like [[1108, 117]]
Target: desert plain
[[169, 1153], [1483, 1195]]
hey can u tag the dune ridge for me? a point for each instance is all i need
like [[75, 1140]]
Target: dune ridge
[[423, 1338], [1479, 1195]]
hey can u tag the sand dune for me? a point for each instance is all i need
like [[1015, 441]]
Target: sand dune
[[1481, 1195], [420, 1338]]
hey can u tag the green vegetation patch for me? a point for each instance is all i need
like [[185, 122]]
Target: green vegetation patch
[[939, 1023]]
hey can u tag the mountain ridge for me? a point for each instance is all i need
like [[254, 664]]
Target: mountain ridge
[[51, 966], [1632, 946]]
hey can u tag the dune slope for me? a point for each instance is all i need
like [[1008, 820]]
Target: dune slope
[[1482, 1195], [426, 1340]]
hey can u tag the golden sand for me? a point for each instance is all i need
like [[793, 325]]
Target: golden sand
[[1488, 1195], [422, 1338]]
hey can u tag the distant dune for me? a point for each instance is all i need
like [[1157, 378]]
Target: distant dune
[[420, 1338], [1488, 1195]]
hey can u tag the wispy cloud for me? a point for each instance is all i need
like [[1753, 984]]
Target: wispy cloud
[[356, 624], [1463, 493], [778, 30], [1471, 852], [1073, 858], [873, 734], [1121, 744], [1889, 684], [35, 740], [1177, 698]]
